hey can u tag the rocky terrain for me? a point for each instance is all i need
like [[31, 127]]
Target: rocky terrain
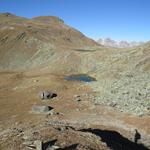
[[111, 112], [118, 44], [124, 77]]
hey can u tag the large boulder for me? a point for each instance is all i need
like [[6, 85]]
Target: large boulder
[[46, 95]]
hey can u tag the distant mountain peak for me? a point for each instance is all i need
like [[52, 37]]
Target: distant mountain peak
[[118, 44]]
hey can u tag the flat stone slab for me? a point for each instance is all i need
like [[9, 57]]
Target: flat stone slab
[[39, 109]]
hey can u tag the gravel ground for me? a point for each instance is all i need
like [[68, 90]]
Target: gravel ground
[[130, 93]]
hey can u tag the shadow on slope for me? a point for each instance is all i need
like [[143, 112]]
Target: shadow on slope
[[114, 140], [49, 144], [71, 147]]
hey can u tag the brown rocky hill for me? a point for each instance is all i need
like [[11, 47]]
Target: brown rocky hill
[[26, 43]]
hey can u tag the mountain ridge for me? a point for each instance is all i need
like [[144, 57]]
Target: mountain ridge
[[26, 42]]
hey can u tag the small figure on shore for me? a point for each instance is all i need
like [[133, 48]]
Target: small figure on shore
[[137, 136]]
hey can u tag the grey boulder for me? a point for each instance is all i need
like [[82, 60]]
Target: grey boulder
[[46, 95]]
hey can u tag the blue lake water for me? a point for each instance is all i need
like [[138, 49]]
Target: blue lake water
[[80, 77]]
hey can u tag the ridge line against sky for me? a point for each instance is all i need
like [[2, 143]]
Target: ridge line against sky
[[118, 19]]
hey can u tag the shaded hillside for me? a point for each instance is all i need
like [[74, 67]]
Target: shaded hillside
[[24, 42], [144, 61]]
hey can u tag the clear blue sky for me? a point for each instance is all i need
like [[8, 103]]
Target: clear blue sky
[[118, 19]]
